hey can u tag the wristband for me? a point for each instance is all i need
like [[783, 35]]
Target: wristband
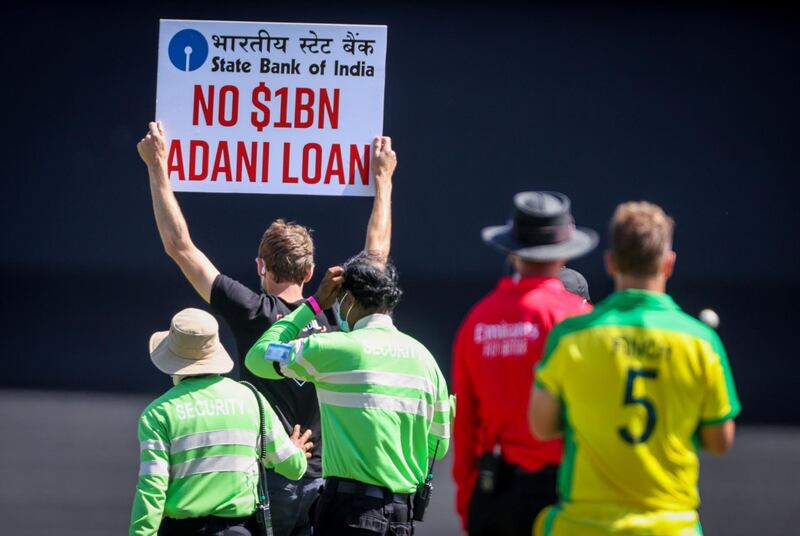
[[312, 302]]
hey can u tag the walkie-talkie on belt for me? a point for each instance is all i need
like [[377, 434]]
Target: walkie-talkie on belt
[[263, 512], [423, 495]]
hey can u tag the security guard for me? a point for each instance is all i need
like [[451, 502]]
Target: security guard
[[198, 471], [384, 404]]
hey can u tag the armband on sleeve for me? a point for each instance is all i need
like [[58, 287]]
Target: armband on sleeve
[[278, 352]]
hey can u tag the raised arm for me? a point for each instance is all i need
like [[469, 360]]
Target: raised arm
[[379, 228], [171, 225], [288, 328]]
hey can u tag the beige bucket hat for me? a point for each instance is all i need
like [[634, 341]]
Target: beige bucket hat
[[191, 346]]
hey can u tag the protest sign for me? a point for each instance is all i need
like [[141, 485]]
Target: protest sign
[[270, 108]]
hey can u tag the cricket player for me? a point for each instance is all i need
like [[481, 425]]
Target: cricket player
[[634, 388]]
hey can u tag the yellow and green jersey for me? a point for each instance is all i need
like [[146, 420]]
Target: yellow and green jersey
[[637, 377]]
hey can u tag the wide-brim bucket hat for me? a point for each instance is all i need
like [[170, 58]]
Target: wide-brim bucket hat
[[541, 229], [191, 346]]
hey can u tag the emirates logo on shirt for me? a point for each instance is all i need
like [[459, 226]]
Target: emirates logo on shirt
[[505, 339]]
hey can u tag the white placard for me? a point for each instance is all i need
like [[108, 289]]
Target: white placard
[[270, 108]]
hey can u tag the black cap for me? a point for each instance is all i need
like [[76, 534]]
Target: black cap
[[575, 283]]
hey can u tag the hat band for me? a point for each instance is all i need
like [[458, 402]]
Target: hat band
[[540, 236], [197, 354]]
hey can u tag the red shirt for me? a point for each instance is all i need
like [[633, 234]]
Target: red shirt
[[496, 349]]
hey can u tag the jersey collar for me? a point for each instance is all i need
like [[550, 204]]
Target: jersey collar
[[637, 298], [517, 283], [376, 320]]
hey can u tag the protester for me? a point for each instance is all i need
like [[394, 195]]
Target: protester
[[285, 262], [384, 403], [631, 387], [198, 470], [503, 475]]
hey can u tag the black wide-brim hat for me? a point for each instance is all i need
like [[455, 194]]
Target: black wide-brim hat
[[541, 229]]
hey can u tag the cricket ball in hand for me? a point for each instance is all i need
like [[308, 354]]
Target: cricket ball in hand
[[709, 318]]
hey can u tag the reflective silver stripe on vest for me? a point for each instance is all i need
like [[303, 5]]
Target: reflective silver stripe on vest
[[400, 404], [298, 361], [154, 468], [284, 452], [301, 360], [214, 464], [276, 425], [215, 437], [153, 444], [289, 373], [386, 379], [440, 430], [442, 405]]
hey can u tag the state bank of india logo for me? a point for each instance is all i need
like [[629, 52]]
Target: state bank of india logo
[[188, 50]]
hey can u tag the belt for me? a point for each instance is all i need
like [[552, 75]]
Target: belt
[[354, 487], [544, 470]]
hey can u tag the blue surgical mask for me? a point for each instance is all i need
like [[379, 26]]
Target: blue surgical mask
[[337, 309]]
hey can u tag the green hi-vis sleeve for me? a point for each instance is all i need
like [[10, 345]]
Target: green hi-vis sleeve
[[282, 454], [284, 330], [151, 489], [443, 412]]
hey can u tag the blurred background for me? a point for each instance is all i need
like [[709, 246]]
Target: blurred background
[[693, 107]]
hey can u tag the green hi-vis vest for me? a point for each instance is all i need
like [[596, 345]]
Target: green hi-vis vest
[[383, 401], [198, 453]]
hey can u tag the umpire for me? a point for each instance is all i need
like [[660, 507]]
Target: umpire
[[504, 475], [384, 403]]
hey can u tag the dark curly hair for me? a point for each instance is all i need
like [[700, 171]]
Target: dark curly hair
[[372, 282]]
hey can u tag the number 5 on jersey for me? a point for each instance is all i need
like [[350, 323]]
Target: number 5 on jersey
[[645, 402]]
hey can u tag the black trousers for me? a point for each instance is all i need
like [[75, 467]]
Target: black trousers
[[357, 514], [512, 508], [209, 526]]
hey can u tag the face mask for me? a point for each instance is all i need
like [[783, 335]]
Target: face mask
[[343, 325]]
